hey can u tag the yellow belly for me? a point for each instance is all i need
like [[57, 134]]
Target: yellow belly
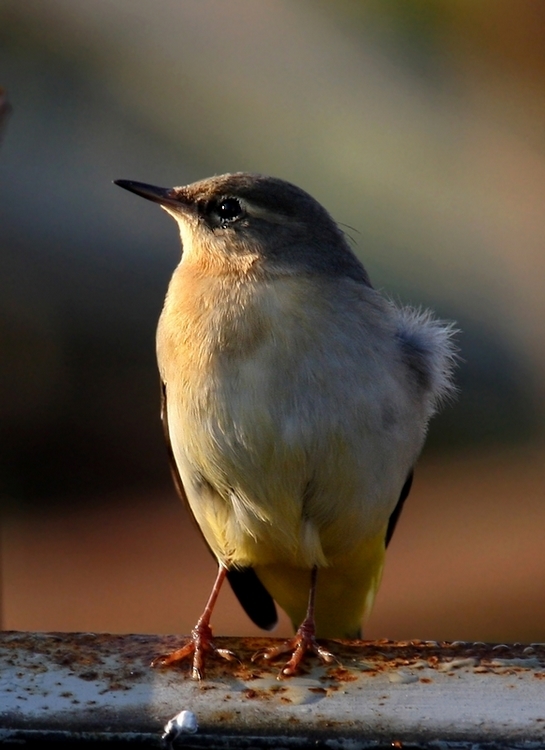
[[344, 594]]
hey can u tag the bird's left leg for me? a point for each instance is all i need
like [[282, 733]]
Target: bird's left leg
[[201, 637], [304, 640]]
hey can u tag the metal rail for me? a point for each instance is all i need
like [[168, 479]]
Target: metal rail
[[98, 688]]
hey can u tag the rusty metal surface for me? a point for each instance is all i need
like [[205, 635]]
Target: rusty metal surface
[[100, 686]]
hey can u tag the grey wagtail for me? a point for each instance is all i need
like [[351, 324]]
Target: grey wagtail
[[296, 400]]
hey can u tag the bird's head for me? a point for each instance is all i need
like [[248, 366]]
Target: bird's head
[[232, 218]]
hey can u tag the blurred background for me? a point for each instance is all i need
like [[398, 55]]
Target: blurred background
[[420, 124]]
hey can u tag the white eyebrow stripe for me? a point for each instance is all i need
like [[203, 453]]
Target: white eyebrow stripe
[[264, 213]]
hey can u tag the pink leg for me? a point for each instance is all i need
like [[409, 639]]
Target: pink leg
[[304, 640], [201, 637]]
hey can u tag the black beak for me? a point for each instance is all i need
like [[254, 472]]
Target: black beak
[[164, 196]]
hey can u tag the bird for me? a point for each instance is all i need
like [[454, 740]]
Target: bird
[[295, 402]]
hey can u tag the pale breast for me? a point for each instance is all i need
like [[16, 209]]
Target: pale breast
[[277, 401]]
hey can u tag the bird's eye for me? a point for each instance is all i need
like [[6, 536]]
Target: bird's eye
[[228, 209]]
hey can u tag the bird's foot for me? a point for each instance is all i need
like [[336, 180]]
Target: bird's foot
[[201, 643], [299, 646]]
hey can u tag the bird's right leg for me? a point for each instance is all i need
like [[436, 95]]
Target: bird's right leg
[[201, 641]]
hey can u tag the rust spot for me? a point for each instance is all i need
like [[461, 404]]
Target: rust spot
[[341, 674], [89, 676], [426, 679], [252, 694], [319, 690], [117, 686], [278, 689], [225, 716]]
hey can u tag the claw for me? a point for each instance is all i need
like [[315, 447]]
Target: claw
[[200, 644], [303, 643], [165, 660]]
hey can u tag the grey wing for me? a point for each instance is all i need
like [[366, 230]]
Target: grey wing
[[252, 595], [430, 355]]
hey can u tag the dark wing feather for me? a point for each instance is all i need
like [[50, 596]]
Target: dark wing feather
[[394, 518], [252, 595]]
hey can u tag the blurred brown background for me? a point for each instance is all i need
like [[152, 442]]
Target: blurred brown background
[[420, 124]]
